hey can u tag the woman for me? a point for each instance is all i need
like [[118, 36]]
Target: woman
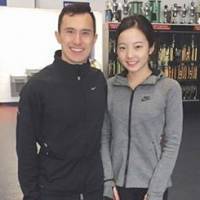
[[143, 124]]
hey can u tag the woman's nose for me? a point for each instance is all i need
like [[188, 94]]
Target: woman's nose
[[130, 53]]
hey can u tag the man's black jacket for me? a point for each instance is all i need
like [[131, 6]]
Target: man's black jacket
[[61, 108]]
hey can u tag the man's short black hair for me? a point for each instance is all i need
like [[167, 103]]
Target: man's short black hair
[[77, 8]]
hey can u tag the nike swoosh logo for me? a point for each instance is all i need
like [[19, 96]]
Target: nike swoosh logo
[[145, 98], [93, 88]]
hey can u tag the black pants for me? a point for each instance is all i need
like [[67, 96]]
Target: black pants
[[97, 195], [133, 193]]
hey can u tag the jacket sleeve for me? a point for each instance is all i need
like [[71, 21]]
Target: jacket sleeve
[[106, 157], [170, 143], [28, 119]]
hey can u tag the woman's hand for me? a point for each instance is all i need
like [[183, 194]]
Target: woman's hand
[[145, 197], [115, 194]]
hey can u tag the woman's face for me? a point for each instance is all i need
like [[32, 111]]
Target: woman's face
[[133, 50]]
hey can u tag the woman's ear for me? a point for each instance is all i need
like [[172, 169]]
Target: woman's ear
[[151, 49]]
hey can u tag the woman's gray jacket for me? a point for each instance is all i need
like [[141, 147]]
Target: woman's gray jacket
[[141, 134]]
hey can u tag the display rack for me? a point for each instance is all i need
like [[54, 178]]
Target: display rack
[[177, 54]]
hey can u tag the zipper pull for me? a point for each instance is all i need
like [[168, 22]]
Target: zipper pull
[[78, 78], [81, 197]]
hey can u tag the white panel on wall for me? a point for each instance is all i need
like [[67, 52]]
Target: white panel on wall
[[49, 4], [27, 42], [21, 3]]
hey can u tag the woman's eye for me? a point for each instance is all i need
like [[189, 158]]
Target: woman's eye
[[121, 48], [138, 46]]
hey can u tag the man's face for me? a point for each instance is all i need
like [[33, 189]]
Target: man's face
[[76, 37]]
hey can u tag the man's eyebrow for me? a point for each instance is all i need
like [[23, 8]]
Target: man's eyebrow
[[86, 29], [69, 28]]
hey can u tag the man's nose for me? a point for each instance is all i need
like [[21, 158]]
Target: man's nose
[[77, 38]]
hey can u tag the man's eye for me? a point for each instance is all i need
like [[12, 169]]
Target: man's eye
[[85, 33], [69, 31]]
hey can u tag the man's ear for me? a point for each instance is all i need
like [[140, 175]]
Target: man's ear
[[95, 38], [57, 35]]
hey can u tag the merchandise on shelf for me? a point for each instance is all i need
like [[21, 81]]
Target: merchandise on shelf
[[177, 55], [177, 14]]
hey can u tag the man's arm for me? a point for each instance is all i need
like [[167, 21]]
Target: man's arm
[[28, 119]]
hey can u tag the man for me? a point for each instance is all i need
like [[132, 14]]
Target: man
[[61, 108]]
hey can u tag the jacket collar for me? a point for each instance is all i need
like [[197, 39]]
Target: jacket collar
[[69, 70], [121, 79]]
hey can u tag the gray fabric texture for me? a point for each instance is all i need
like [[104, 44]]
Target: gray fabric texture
[[155, 134]]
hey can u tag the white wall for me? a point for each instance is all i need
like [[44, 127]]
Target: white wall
[[28, 42], [21, 3]]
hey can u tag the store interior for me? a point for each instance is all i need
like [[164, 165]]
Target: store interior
[[28, 47]]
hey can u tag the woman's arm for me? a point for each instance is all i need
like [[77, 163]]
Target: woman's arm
[[170, 143]]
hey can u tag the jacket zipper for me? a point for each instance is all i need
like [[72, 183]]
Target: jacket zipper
[[129, 137], [78, 74]]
